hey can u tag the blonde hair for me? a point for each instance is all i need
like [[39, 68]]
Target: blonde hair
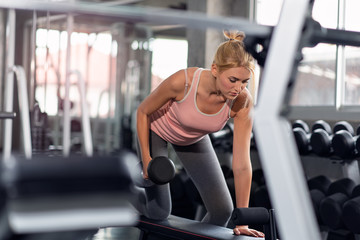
[[232, 53]]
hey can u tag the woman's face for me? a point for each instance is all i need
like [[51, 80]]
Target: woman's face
[[232, 81]]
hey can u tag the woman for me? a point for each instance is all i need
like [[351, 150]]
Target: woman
[[181, 111]]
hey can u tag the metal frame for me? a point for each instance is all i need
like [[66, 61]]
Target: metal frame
[[279, 158], [9, 93], [85, 117], [9, 83], [66, 112], [190, 19]]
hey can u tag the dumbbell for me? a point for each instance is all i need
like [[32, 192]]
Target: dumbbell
[[320, 139], [256, 216], [318, 187], [302, 134], [346, 145], [331, 206], [301, 124], [351, 211], [302, 137], [161, 170]]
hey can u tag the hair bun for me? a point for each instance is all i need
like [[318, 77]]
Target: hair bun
[[234, 35]]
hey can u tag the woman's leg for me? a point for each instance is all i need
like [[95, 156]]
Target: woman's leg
[[202, 165], [155, 202]]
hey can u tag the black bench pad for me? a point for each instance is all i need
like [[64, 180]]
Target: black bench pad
[[180, 228]]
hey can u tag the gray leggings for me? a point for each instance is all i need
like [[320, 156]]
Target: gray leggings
[[202, 165]]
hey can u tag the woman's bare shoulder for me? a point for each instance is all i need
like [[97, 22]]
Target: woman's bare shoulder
[[244, 102]]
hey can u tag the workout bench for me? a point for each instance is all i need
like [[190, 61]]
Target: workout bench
[[185, 229]]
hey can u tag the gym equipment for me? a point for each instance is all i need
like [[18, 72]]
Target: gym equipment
[[321, 139], [60, 194], [39, 125], [318, 187], [331, 206], [161, 170], [302, 134], [346, 145], [321, 183], [301, 124], [343, 125], [302, 139], [351, 211], [180, 228], [321, 124], [256, 216], [7, 115]]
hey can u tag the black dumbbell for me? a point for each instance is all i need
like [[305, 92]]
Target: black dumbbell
[[302, 134], [321, 139], [346, 145], [256, 216], [301, 124], [318, 187], [331, 206], [321, 183], [351, 211], [161, 170]]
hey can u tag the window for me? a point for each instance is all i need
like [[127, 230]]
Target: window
[[319, 73], [352, 56], [90, 55], [169, 56], [266, 17], [316, 80]]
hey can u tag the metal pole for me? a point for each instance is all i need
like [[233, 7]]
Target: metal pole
[[340, 61], [109, 126], [85, 117], [66, 111], [32, 60], [56, 136], [24, 109], [9, 84], [190, 19], [46, 64], [276, 145], [97, 120]]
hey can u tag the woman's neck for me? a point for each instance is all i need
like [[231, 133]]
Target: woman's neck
[[210, 85]]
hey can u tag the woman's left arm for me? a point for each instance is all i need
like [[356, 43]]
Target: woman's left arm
[[241, 163]]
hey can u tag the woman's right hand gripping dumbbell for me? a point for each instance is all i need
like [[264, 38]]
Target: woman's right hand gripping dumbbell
[[159, 170]]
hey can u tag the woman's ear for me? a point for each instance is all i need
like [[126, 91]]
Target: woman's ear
[[214, 69]]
